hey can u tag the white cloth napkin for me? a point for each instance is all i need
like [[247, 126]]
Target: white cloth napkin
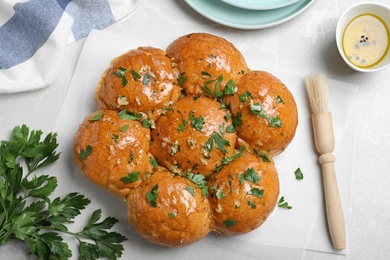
[[34, 34]]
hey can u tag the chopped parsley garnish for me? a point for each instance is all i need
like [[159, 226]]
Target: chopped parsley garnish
[[131, 177], [146, 79], [135, 75], [298, 174], [190, 190], [241, 177], [218, 193], [151, 197], [115, 136], [258, 110], [250, 203], [263, 156], [206, 74], [252, 176], [229, 223], [237, 120], [153, 162], [279, 100], [196, 122], [123, 128], [244, 96], [230, 88], [219, 141], [181, 79], [228, 159], [283, 204], [123, 114], [84, 153], [182, 126], [274, 121], [146, 123], [256, 192], [121, 72], [199, 180], [97, 116], [171, 214]]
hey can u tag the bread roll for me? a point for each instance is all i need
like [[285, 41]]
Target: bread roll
[[169, 210], [141, 81], [265, 112], [243, 194], [205, 60], [107, 149], [193, 136]]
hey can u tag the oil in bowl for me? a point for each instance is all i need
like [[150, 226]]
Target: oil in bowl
[[363, 36], [366, 40]]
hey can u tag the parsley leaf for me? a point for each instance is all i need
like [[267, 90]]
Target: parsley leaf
[[28, 214], [151, 196], [121, 72], [252, 176], [298, 174], [97, 116], [219, 141], [229, 223], [84, 153], [200, 181], [131, 177], [283, 204]]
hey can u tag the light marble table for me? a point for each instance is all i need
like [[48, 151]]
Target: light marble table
[[304, 45]]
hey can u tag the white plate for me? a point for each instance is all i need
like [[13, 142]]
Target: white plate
[[260, 4], [232, 16]]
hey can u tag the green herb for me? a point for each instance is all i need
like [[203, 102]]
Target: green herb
[[182, 126], [171, 214], [151, 197], [252, 176], [279, 99], [204, 73], [97, 116], [250, 203], [263, 156], [220, 142], [230, 88], [218, 193], [135, 75], [256, 192], [298, 174], [84, 153], [115, 136], [153, 162], [274, 121], [131, 177], [190, 190], [283, 204], [244, 96], [230, 129], [28, 214], [146, 123], [146, 79], [227, 159], [199, 180], [241, 177], [257, 110], [229, 223], [123, 128], [123, 114], [181, 79], [121, 72], [237, 120], [196, 122]]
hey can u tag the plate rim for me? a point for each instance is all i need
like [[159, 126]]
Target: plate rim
[[246, 5], [284, 18]]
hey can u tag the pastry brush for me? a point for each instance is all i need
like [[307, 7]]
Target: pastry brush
[[317, 90]]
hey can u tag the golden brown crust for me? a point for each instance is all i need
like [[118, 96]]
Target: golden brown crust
[[268, 116], [117, 147], [202, 58], [180, 215], [184, 139], [243, 194], [141, 81]]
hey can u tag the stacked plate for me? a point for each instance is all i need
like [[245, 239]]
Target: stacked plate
[[250, 14]]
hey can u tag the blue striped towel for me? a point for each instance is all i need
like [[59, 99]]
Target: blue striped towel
[[34, 34]]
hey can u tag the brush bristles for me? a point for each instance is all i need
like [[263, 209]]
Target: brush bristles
[[317, 90]]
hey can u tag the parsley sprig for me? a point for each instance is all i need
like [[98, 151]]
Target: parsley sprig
[[28, 214]]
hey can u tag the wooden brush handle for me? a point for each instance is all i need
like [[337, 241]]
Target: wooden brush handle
[[324, 141]]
